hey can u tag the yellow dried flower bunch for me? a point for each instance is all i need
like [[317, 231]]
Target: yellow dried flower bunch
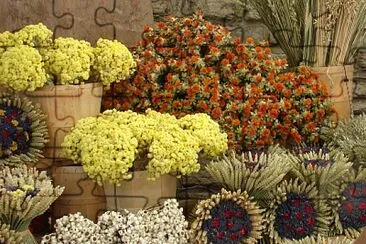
[[113, 61], [6, 39], [69, 60], [108, 145], [30, 57], [206, 130], [33, 35], [21, 69]]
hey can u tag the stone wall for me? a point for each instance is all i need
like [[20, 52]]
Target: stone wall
[[243, 21]]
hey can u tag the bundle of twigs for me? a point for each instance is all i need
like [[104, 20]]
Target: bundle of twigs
[[315, 32]]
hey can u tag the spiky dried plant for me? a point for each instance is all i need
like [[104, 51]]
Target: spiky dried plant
[[320, 165], [350, 137], [254, 172]]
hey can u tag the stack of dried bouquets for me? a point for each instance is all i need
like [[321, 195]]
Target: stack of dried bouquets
[[24, 194], [23, 130], [108, 144], [189, 65], [227, 217], [165, 224]]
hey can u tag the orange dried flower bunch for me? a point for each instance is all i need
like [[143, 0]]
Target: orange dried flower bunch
[[190, 65]]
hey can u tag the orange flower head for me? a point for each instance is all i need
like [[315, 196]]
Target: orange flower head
[[216, 113], [250, 40], [236, 122]]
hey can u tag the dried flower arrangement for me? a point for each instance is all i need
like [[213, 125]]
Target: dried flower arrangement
[[108, 145], [164, 224], [23, 130], [227, 217], [30, 59], [317, 33], [189, 65], [296, 212], [24, 194]]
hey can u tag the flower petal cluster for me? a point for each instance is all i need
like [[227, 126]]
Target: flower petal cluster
[[21, 68], [166, 224], [108, 145], [208, 131], [33, 35], [113, 61], [69, 60], [189, 65]]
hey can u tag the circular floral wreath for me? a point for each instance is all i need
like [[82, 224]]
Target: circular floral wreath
[[297, 213], [227, 217], [349, 208], [23, 130]]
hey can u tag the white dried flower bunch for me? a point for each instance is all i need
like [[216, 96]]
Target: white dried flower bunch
[[163, 225], [24, 194], [75, 228]]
